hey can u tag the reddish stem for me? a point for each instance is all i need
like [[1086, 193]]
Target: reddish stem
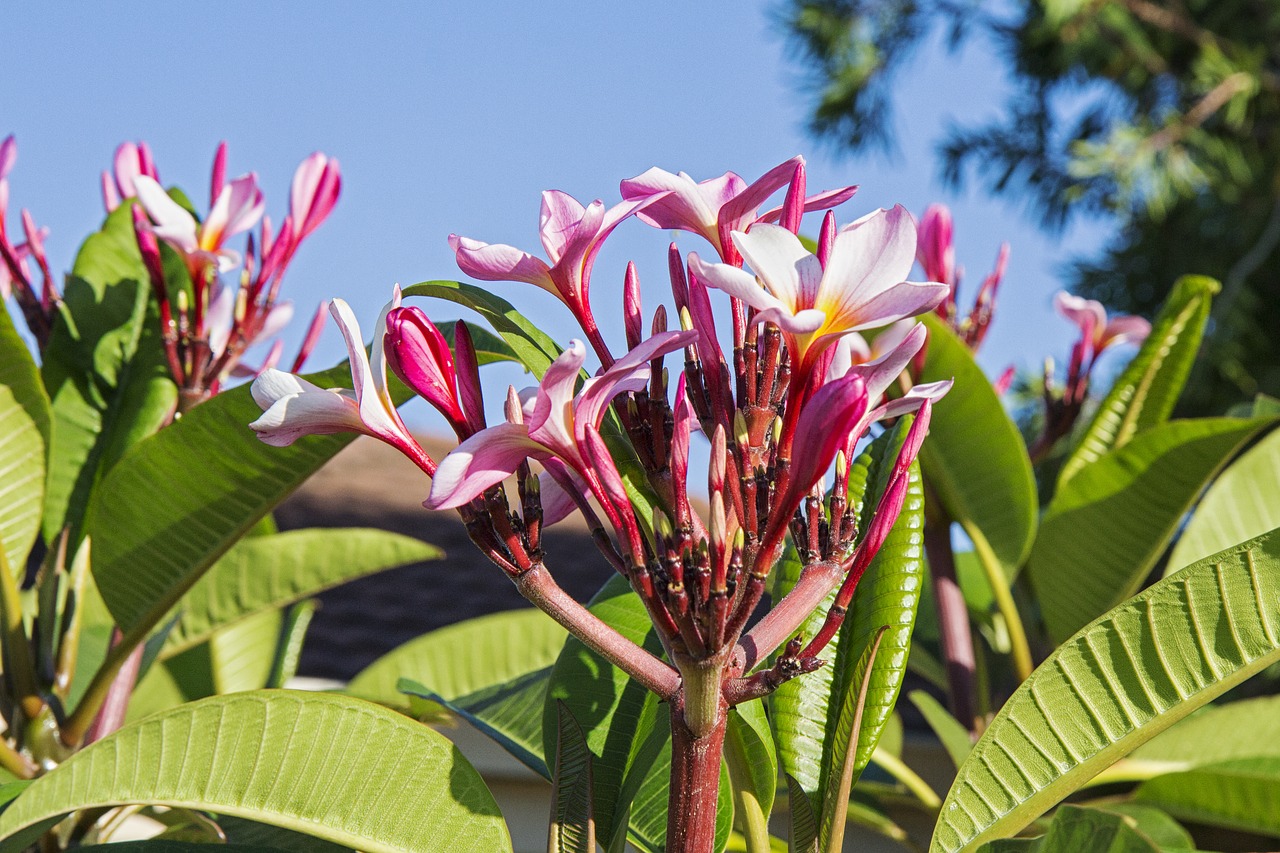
[[695, 784]]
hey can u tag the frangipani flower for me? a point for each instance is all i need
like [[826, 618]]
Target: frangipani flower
[[893, 350], [237, 208], [714, 208], [936, 249], [419, 354], [293, 407], [862, 285], [1096, 330], [554, 425], [571, 236], [316, 185], [936, 253], [131, 161]]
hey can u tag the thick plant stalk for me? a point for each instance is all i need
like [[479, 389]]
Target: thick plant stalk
[[953, 615], [695, 783]]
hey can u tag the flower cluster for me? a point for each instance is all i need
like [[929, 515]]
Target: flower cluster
[[16, 279], [791, 399], [215, 321]]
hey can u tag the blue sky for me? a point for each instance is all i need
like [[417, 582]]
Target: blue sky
[[454, 117]]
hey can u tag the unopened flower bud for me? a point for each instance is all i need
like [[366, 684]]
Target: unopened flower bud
[[513, 410]]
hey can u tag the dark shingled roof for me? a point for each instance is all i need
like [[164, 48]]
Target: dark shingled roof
[[371, 485]]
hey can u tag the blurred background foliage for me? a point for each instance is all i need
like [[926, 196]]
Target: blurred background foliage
[[1162, 114]]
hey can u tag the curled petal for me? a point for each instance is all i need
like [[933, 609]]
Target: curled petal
[[828, 418], [294, 407], [783, 265], [1088, 314], [629, 373], [1125, 329], [560, 221], [557, 503], [314, 192], [742, 285], [499, 262], [483, 460], [551, 420], [881, 373], [172, 222]]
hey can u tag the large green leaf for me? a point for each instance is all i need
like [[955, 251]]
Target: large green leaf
[[267, 572], [1244, 502], [175, 504], [1115, 685], [104, 369], [616, 713], [331, 766], [1249, 728], [533, 347], [753, 768], [1146, 392], [1105, 529], [18, 371], [492, 671], [242, 653], [805, 711], [465, 658], [572, 827], [1074, 829], [974, 459], [21, 481], [1242, 794]]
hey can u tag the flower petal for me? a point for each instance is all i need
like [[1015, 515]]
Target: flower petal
[[172, 222], [558, 222], [869, 257], [782, 263], [295, 407], [551, 421], [500, 262], [629, 373], [738, 284], [483, 460]]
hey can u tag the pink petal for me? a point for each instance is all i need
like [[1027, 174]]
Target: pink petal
[[1088, 314], [314, 192], [881, 373], [629, 373], [869, 257], [783, 264], [238, 208], [558, 222], [1125, 329], [499, 262], [483, 460], [906, 299], [8, 155], [824, 200], [557, 503], [549, 422], [685, 205], [823, 427], [740, 211], [172, 222], [294, 407], [936, 250], [740, 285]]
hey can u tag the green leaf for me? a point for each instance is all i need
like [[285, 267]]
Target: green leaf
[[158, 845], [805, 711], [1105, 529], [18, 371], [974, 458], [532, 347], [173, 507], [491, 670], [950, 731], [1146, 392], [263, 573], [489, 347], [104, 369], [572, 828], [845, 767], [1249, 728], [242, 654], [330, 766], [753, 767], [1074, 829], [251, 833], [296, 620], [804, 824], [1115, 685], [1240, 505], [1241, 794], [1166, 832], [21, 482], [610, 707]]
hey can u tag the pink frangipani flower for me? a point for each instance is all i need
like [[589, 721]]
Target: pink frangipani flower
[[315, 189], [714, 208], [862, 285], [553, 425], [293, 407], [1096, 330], [936, 249], [238, 207], [132, 159], [419, 354], [571, 236]]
